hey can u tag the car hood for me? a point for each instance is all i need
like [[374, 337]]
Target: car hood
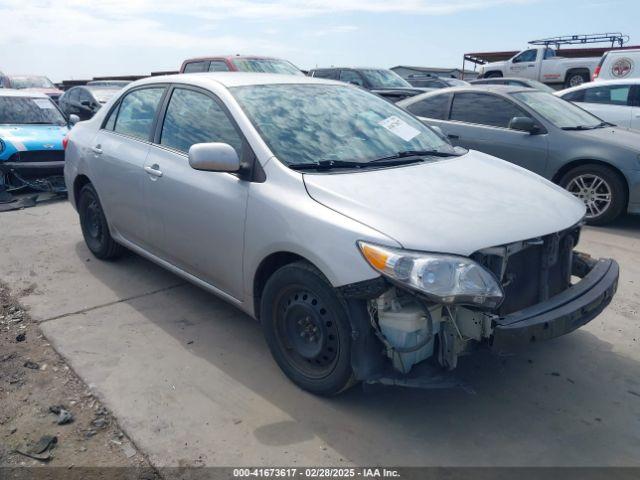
[[20, 138], [619, 137], [457, 205]]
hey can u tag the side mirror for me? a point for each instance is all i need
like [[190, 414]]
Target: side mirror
[[524, 124], [73, 119], [214, 157]]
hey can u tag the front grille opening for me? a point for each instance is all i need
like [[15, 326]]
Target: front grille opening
[[534, 271]]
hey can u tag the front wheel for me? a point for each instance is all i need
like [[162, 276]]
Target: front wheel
[[307, 329], [601, 189]]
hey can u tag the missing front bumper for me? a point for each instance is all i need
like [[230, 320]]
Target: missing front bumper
[[562, 313]]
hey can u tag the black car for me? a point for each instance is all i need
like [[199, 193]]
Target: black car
[[381, 81], [86, 100], [430, 81]]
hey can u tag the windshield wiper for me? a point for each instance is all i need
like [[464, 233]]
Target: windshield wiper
[[580, 127], [325, 165], [414, 153]]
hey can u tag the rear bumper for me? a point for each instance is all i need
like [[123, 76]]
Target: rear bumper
[[562, 313]]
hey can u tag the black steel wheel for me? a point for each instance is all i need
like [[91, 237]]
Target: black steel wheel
[[95, 229], [307, 329]]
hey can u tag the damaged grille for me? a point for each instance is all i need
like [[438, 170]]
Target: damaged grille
[[531, 271], [38, 156]]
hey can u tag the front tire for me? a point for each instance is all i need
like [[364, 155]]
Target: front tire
[[600, 188], [95, 229], [307, 328]]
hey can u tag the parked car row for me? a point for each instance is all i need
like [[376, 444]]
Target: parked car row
[[368, 246]]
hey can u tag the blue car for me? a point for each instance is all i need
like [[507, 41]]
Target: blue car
[[32, 128]]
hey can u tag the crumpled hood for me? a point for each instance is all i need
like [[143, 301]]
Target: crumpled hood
[[19, 138], [457, 205]]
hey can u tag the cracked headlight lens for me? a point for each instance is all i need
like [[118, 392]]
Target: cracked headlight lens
[[447, 279]]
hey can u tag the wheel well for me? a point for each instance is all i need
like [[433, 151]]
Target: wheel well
[[578, 163], [80, 181], [267, 267], [493, 74], [576, 70]]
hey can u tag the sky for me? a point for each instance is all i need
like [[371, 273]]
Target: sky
[[80, 39]]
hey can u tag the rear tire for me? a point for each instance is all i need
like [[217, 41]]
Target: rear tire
[[307, 328], [602, 190], [576, 78], [95, 229]]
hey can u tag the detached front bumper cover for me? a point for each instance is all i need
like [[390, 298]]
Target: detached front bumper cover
[[564, 312]]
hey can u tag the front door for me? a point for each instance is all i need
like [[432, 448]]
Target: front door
[[524, 65], [197, 215]]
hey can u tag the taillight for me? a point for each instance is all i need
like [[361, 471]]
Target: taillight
[[596, 72], [65, 141]]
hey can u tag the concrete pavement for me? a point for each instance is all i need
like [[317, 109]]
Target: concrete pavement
[[192, 381]]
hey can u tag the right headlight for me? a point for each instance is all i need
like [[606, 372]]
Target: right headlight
[[447, 279]]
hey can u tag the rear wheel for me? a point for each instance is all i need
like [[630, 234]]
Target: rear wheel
[[576, 78], [307, 329], [94, 225], [600, 188]]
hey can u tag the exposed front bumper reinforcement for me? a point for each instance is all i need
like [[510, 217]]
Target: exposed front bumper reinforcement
[[562, 313]]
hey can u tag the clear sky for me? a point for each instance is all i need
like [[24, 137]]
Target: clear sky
[[84, 38]]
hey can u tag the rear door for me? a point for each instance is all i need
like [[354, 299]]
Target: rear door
[[612, 103], [120, 150], [480, 121], [197, 216]]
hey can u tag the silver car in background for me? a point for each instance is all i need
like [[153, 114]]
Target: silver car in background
[[368, 247], [594, 160]]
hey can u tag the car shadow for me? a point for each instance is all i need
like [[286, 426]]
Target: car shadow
[[574, 400]]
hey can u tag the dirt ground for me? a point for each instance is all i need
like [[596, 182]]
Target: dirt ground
[[34, 380]]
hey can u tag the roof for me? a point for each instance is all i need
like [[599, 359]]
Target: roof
[[502, 89], [11, 92], [236, 79], [430, 69], [601, 83], [228, 57]]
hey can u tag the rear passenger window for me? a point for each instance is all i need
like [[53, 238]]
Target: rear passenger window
[[137, 111], [195, 67], [194, 117], [577, 96], [611, 95], [218, 66], [484, 109], [431, 107]]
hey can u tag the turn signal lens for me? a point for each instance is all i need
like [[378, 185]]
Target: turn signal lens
[[65, 141]]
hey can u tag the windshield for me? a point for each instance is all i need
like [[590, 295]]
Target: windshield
[[29, 111], [31, 82], [385, 79], [266, 65], [561, 113], [306, 124], [103, 95]]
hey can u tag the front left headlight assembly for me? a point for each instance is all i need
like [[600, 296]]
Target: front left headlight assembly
[[447, 279]]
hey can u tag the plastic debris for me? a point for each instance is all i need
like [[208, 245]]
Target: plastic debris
[[64, 415]]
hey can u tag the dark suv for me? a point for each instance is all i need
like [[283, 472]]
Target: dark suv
[[382, 81]]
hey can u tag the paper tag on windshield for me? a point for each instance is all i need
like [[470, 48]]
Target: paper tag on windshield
[[43, 103], [399, 127]]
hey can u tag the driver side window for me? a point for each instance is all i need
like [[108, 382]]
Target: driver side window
[[526, 56]]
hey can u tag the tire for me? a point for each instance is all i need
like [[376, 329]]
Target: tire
[[594, 184], [493, 75], [576, 78], [307, 328], [95, 229]]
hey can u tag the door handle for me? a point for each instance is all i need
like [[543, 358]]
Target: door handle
[[453, 137], [153, 170], [530, 66], [97, 149]]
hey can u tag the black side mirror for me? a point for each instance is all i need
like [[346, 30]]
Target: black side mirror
[[524, 124]]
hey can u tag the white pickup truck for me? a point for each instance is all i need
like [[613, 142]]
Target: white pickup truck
[[542, 64]]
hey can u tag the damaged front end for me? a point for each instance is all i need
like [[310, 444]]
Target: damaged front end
[[404, 335]]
